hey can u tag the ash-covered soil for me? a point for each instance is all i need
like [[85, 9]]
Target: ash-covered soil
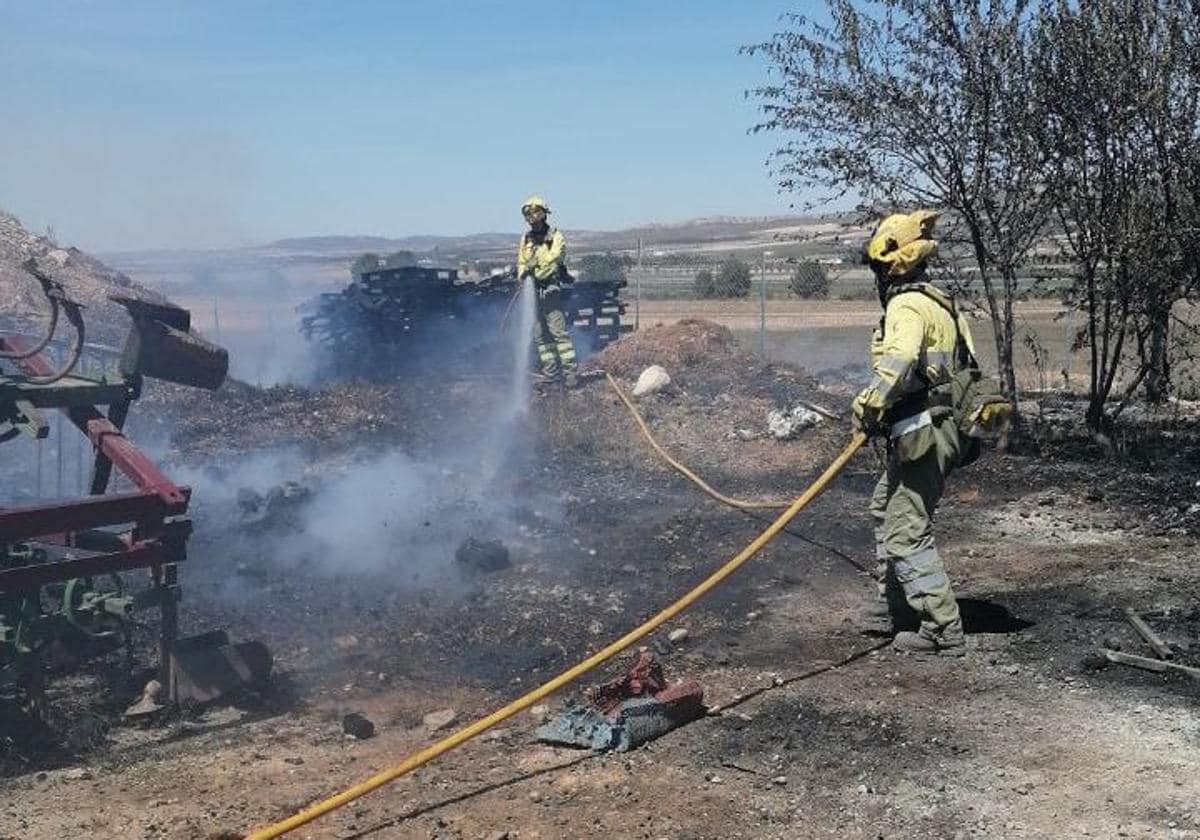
[[822, 732]]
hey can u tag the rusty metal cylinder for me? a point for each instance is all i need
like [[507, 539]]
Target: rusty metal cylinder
[[160, 351]]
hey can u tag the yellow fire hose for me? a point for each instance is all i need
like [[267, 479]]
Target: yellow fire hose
[[465, 734], [683, 470]]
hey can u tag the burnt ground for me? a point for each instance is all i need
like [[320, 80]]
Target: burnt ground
[[822, 732]]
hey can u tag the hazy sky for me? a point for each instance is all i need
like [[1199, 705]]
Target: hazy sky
[[130, 124]]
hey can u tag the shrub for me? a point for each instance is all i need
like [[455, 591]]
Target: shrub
[[810, 280], [733, 279]]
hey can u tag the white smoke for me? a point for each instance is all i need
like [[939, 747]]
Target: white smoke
[[385, 512]]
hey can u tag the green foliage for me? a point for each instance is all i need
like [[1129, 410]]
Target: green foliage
[[810, 280], [733, 279], [603, 268]]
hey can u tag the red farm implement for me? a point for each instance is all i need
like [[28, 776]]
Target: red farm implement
[[61, 561]]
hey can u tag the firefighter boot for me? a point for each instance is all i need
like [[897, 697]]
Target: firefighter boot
[[941, 640]]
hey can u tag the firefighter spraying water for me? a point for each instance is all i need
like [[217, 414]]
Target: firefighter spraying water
[[541, 257]]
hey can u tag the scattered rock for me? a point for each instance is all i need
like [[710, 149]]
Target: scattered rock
[[652, 380], [540, 712], [78, 774], [483, 555], [358, 726], [438, 720], [785, 425], [277, 510], [499, 835], [294, 760], [149, 703], [345, 642], [678, 636]]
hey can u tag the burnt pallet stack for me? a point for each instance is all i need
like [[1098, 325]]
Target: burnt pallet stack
[[389, 319]]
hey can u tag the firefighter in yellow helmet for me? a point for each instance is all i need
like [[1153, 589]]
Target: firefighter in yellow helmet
[[542, 256], [919, 346]]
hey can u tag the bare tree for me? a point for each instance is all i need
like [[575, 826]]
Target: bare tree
[[1117, 84], [918, 102]]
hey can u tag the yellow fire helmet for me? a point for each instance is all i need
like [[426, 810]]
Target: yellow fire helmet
[[535, 202], [902, 243]]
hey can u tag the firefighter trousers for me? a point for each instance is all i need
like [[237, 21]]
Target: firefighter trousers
[[554, 346], [902, 507]]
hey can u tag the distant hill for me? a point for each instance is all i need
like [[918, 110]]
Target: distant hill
[[682, 235]]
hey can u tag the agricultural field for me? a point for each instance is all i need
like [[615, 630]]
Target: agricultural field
[[825, 335]]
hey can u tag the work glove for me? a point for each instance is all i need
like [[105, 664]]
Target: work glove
[[866, 416]]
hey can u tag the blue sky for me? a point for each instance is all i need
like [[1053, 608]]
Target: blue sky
[[130, 125]]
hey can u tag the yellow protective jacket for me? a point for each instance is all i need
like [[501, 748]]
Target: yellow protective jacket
[[545, 260], [912, 352]]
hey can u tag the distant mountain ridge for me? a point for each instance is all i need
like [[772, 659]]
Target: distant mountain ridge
[[710, 227], [327, 256]]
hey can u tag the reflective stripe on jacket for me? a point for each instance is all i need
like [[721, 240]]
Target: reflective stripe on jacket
[[545, 259], [913, 351]]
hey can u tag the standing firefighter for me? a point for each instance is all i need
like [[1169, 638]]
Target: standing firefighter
[[542, 255], [929, 400]]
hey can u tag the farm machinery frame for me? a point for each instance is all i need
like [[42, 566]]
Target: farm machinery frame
[[61, 561]]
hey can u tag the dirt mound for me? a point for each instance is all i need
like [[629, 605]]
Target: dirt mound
[[688, 343], [85, 278]]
